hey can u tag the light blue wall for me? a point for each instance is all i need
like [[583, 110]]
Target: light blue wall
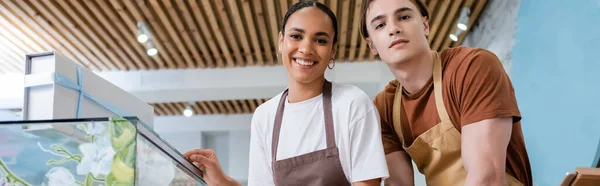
[[556, 74]]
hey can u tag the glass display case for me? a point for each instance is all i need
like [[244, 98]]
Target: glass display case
[[85, 152]]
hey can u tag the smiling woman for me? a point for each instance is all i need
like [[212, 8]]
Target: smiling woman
[[328, 132]]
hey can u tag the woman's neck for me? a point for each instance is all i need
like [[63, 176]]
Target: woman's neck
[[299, 92]]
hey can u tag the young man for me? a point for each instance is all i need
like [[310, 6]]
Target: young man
[[453, 113]]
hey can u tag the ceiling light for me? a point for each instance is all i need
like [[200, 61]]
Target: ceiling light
[[150, 49], [463, 18], [142, 38], [460, 26], [143, 32], [152, 52], [453, 37], [188, 110]]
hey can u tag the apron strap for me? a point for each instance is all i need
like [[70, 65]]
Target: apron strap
[[277, 126], [437, 89], [329, 130]]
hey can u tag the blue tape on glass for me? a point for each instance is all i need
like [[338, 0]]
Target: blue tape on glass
[[59, 79]]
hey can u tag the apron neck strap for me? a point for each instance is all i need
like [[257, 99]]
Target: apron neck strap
[[437, 89], [329, 131]]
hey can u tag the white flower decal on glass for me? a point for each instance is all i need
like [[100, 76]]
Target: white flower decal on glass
[[60, 176], [97, 158]]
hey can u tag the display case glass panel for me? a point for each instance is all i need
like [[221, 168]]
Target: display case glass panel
[[86, 152]]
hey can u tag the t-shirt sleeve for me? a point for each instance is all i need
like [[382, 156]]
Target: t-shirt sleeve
[[259, 170], [367, 157], [391, 141], [486, 91]]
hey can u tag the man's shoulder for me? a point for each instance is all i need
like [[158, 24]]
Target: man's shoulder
[[384, 100], [460, 55]]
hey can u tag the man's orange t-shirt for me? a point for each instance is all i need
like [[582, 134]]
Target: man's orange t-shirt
[[475, 87]]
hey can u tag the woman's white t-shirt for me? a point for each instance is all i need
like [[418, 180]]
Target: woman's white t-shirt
[[357, 134]]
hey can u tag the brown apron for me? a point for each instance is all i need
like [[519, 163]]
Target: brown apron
[[437, 152], [322, 167]]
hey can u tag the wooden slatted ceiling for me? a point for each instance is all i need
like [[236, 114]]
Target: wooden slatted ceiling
[[245, 106], [101, 35]]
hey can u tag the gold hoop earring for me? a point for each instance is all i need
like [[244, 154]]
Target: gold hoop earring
[[331, 67]]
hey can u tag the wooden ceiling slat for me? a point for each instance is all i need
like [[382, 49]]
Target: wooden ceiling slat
[[472, 19], [221, 107], [197, 109], [13, 35], [14, 44], [371, 56], [12, 49], [261, 29], [438, 18], [15, 63], [157, 110], [67, 25], [164, 108], [260, 101], [193, 30], [207, 33], [449, 25], [211, 17], [227, 28], [283, 4], [173, 35], [252, 31], [205, 108], [50, 36], [115, 61], [43, 17], [182, 106], [245, 107], [158, 31], [252, 103], [355, 30], [174, 109], [272, 10], [94, 30], [129, 22], [110, 27], [191, 48], [31, 39], [343, 39], [362, 50], [322, 1], [333, 5], [236, 106], [431, 8], [212, 107], [230, 109]]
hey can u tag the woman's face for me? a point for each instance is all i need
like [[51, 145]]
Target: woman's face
[[307, 46]]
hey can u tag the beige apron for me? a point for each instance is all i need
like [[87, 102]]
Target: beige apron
[[319, 168], [437, 152]]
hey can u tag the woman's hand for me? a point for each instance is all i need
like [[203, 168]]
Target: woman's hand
[[206, 160]]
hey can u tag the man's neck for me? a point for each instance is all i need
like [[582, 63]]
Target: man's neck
[[414, 74], [303, 91]]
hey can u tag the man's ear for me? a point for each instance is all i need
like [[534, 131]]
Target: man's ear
[[426, 25], [373, 49]]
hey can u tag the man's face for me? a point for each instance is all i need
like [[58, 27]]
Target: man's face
[[397, 30]]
